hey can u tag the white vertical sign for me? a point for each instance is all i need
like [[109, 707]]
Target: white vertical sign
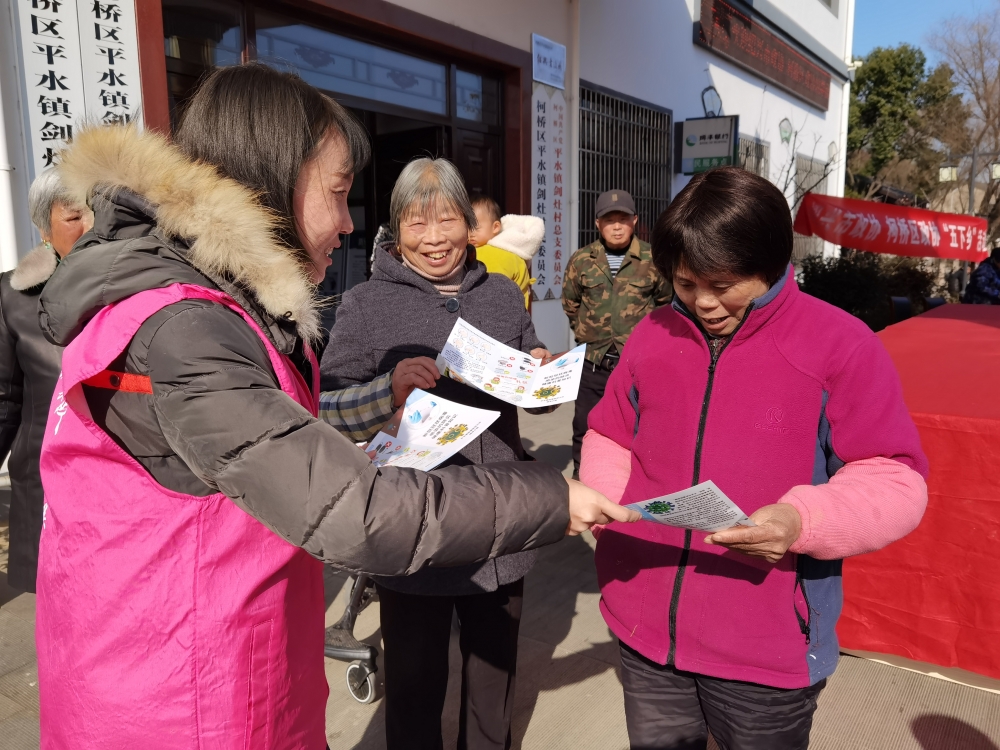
[[79, 62], [52, 76], [549, 183], [110, 54]]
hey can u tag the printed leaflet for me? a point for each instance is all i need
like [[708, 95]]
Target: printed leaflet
[[427, 431], [473, 358], [703, 507]]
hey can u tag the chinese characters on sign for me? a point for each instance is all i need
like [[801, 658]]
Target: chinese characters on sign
[[897, 230], [731, 33], [110, 55], [708, 142], [548, 62], [79, 62], [549, 181]]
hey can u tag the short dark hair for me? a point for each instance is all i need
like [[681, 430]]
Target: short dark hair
[[727, 221], [259, 126], [491, 206]]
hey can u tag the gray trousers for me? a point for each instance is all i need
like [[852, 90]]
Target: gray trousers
[[666, 709]]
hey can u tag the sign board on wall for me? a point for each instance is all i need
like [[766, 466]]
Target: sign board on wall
[[79, 63], [735, 35], [548, 64], [549, 183], [708, 142]]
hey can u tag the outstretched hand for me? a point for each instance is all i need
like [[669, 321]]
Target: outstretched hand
[[588, 507], [415, 372], [778, 526]]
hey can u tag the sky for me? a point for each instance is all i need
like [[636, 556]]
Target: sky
[[887, 23]]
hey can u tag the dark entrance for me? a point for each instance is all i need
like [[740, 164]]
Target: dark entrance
[[412, 104]]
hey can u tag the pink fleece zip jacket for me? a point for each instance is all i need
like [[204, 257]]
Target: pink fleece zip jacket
[[797, 393], [866, 505]]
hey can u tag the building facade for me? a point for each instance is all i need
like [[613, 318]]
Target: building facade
[[542, 104]]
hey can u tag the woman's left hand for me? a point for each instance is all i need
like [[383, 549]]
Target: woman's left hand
[[415, 372], [778, 526]]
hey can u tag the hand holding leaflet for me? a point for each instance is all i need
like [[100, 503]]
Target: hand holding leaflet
[[427, 431], [471, 357], [703, 507], [777, 528]]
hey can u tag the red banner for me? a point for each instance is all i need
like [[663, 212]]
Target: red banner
[[895, 230]]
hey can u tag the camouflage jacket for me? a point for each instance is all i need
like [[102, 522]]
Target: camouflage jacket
[[603, 309]]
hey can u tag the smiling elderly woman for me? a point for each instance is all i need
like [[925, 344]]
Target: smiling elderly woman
[[388, 331]]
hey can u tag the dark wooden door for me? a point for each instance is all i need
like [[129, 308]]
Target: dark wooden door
[[479, 159], [392, 152]]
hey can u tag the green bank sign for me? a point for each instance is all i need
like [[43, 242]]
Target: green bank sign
[[709, 142]]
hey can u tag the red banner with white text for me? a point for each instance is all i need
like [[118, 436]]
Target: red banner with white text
[[895, 230]]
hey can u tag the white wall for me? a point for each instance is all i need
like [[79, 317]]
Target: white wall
[[509, 21], [827, 27], [645, 48]]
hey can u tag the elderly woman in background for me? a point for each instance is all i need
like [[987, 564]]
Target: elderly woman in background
[[387, 334], [29, 366]]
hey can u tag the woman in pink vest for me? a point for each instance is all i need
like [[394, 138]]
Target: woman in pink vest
[[191, 492], [795, 411]]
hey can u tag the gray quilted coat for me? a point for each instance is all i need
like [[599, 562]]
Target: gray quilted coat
[[398, 314]]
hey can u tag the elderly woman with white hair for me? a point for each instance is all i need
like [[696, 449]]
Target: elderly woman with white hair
[[29, 366], [388, 331]]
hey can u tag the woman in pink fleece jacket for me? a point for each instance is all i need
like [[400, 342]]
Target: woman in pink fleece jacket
[[794, 409]]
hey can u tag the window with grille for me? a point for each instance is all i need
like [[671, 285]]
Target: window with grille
[[811, 176], [624, 144], [755, 156]]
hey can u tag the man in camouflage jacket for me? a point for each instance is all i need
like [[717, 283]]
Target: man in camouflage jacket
[[609, 286]]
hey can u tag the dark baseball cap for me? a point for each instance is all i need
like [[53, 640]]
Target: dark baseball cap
[[615, 200]]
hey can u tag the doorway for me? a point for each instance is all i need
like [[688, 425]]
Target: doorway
[[413, 101]]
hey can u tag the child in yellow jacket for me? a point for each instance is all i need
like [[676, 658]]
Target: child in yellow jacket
[[505, 245]]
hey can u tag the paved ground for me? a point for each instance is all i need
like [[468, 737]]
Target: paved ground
[[568, 693]]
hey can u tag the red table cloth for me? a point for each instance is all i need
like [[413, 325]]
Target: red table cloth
[[934, 596]]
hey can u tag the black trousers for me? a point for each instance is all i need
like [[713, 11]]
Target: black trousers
[[666, 709], [415, 633], [592, 385]]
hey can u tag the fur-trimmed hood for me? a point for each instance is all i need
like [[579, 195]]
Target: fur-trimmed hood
[[224, 231], [34, 269], [521, 235]]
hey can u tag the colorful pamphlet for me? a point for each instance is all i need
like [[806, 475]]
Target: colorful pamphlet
[[473, 358], [427, 431], [703, 507]]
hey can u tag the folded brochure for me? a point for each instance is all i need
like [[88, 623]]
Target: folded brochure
[[471, 357], [703, 507], [427, 431]]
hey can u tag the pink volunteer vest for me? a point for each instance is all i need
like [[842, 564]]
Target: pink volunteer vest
[[166, 620]]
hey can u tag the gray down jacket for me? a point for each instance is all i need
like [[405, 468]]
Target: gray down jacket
[[398, 314], [217, 420], [29, 369]]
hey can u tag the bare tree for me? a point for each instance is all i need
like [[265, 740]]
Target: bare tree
[[795, 185], [971, 46]]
